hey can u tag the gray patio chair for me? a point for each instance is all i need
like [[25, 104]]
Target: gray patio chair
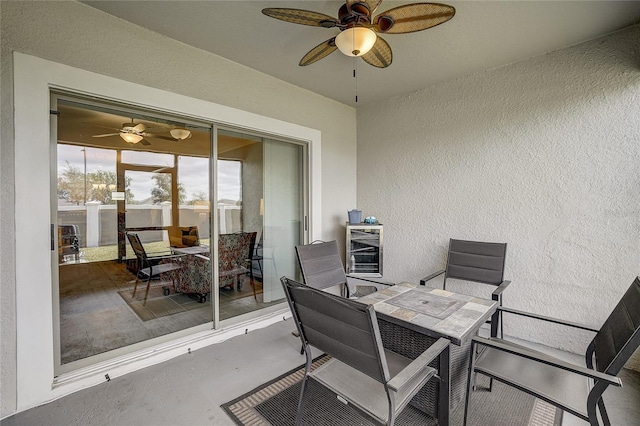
[[572, 388], [376, 382], [479, 262], [151, 267], [322, 269]]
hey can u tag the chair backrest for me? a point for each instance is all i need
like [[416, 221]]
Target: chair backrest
[[345, 329], [619, 336], [190, 236], [235, 250], [476, 261], [137, 247], [321, 264]]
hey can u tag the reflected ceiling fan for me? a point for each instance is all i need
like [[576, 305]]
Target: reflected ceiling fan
[[134, 133], [359, 29]]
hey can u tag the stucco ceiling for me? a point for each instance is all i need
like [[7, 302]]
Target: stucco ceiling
[[481, 36]]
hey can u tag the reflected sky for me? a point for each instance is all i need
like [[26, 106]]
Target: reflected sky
[[193, 172]]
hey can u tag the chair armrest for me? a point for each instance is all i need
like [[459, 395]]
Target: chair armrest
[[519, 350], [498, 291], [424, 280], [368, 280], [548, 319], [418, 365], [166, 256]]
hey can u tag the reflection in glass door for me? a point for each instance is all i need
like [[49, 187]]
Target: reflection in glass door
[[133, 202], [133, 220], [260, 210], [283, 214]]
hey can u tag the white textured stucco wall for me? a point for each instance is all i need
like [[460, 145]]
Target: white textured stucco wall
[[541, 154], [78, 35]]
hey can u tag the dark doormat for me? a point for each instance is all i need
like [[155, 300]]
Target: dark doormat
[[275, 403]]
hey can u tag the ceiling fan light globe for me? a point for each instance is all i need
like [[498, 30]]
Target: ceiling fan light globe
[[131, 137], [356, 41], [180, 133]]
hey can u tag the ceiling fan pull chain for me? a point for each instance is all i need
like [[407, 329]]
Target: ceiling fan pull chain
[[355, 75]]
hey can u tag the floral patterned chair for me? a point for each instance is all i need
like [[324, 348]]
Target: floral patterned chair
[[234, 260]]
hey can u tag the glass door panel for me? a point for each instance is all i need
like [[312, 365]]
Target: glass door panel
[[259, 194], [157, 189], [195, 205], [126, 185], [283, 214]]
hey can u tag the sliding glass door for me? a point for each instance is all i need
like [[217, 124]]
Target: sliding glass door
[[260, 203], [125, 177], [139, 261], [283, 213]]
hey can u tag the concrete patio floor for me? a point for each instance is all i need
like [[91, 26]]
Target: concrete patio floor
[[189, 389]]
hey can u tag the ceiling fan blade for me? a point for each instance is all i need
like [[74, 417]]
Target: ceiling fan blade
[[100, 125], [157, 129], [302, 17], [106, 135], [371, 4], [320, 51], [167, 138], [380, 55], [412, 17], [145, 142]]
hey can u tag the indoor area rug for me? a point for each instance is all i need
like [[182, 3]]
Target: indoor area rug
[[246, 290], [275, 403], [158, 305]]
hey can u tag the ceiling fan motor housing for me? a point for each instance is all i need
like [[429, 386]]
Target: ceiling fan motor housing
[[358, 13]]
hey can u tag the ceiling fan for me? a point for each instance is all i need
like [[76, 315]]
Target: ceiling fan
[[359, 29], [134, 133]]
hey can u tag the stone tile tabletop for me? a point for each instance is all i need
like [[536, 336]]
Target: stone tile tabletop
[[452, 315]]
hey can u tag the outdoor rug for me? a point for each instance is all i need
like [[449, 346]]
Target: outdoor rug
[[275, 403]]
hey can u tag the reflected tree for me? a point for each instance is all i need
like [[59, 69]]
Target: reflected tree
[[162, 189]]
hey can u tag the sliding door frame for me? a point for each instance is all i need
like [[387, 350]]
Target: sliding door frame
[[305, 213], [34, 80]]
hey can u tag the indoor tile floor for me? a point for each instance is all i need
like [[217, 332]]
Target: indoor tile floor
[[98, 312]]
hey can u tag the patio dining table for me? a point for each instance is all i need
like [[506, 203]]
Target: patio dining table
[[204, 250], [412, 317]]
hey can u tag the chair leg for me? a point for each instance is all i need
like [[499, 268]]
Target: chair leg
[[475, 377], [502, 337], [307, 369], [470, 382], [135, 286], [603, 412], [146, 293], [501, 323], [253, 283]]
